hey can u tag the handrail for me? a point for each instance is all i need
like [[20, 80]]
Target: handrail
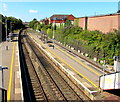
[[3, 95]]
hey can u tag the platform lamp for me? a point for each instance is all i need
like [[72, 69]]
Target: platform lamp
[[10, 34], [6, 29], [104, 65], [53, 37], [6, 36]]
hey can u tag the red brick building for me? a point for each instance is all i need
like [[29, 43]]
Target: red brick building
[[58, 19], [44, 21], [104, 23]]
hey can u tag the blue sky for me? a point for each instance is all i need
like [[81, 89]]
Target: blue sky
[[29, 10]]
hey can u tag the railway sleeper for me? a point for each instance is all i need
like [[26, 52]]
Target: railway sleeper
[[57, 82]]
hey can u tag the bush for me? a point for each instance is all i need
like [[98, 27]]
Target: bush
[[95, 43]]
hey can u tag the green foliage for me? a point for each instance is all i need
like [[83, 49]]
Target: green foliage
[[32, 23], [68, 23], [61, 25], [37, 26], [95, 43], [12, 24], [76, 22], [49, 32]]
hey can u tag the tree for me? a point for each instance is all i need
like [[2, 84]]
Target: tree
[[12, 24], [76, 22], [33, 22], [68, 23]]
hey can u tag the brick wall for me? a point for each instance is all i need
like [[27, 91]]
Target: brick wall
[[104, 23], [81, 22]]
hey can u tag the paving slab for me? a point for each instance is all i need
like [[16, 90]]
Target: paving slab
[[12, 77]]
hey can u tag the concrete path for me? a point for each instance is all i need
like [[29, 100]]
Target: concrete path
[[12, 76]]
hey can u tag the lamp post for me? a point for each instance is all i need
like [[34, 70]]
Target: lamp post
[[6, 29], [11, 27], [10, 34], [6, 36], [53, 36], [104, 65], [53, 31]]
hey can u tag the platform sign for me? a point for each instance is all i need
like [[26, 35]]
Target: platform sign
[[117, 82], [110, 81]]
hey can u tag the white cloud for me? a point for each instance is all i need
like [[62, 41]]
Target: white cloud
[[33, 11], [5, 7]]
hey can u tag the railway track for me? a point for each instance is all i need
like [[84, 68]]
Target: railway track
[[39, 93], [47, 83], [81, 57]]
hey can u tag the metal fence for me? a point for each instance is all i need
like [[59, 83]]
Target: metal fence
[[84, 48], [77, 45]]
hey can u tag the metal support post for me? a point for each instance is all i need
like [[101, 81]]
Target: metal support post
[[6, 36], [1, 69], [53, 34], [4, 92], [104, 65]]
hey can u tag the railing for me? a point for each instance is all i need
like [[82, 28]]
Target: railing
[[3, 95]]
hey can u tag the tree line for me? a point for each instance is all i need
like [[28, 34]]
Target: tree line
[[9, 24], [94, 43]]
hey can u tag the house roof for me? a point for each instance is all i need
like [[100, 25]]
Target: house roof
[[59, 17], [43, 20]]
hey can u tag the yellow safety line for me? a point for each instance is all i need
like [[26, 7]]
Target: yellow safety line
[[78, 61], [11, 70], [73, 69], [68, 65]]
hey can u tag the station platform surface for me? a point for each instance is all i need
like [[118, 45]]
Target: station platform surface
[[9, 57], [87, 74]]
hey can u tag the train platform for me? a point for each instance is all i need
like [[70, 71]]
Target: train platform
[[9, 57], [83, 73]]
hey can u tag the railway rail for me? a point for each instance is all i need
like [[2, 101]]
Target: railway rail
[[36, 84], [76, 54], [48, 83]]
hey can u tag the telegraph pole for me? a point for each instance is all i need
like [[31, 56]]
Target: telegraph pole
[[6, 36], [6, 29], [104, 65], [53, 33]]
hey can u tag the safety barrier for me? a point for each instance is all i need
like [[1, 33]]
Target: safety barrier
[[3, 95]]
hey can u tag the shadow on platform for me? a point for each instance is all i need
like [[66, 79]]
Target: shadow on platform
[[115, 92]]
